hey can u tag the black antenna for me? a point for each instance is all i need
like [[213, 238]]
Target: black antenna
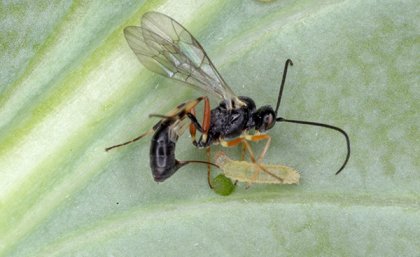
[[280, 119], [286, 65]]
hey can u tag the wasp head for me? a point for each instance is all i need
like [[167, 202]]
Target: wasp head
[[264, 118]]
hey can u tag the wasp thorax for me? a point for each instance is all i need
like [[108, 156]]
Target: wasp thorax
[[264, 118]]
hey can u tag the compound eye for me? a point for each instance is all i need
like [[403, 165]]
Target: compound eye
[[268, 121]]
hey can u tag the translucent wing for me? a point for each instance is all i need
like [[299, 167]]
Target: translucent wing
[[177, 129], [178, 118], [164, 46]]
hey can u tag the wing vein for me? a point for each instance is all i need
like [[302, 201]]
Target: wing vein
[[164, 46]]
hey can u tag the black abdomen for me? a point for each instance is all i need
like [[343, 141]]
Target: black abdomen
[[162, 154]]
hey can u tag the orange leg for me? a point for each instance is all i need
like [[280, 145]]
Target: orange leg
[[206, 117], [231, 143], [193, 129], [238, 141], [260, 167], [204, 128], [243, 150], [254, 138], [205, 125]]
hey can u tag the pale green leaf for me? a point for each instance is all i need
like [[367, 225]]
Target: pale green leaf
[[71, 86]]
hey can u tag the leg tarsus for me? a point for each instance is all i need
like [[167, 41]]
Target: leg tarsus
[[131, 141], [209, 168]]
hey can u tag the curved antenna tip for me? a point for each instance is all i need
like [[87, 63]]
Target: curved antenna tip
[[280, 119]]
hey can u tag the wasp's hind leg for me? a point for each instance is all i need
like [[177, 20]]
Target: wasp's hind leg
[[131, 141]]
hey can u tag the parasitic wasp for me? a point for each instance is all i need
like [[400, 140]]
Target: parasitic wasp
[[165, 47]]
